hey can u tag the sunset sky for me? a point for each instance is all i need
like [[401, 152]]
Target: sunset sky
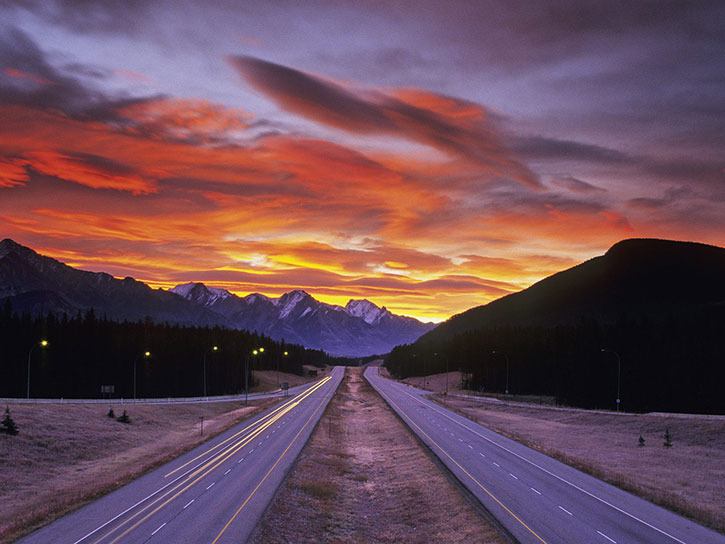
[[428, 156]]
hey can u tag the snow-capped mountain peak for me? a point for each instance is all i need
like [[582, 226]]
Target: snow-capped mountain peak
[[200, 293], [289, 301], [366, 310], [256, 297]]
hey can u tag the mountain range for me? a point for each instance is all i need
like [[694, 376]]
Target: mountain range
[[38, 284]]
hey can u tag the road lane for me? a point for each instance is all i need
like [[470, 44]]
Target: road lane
[[538, 499], [214, 493]]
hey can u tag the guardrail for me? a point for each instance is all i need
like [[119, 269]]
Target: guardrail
[[167, 400]]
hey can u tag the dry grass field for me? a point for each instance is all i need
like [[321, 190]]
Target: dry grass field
[[67, 454], [688, 477], [363, 478], [437, 382], [267, 380]]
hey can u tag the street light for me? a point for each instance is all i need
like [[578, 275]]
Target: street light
[[146, 355], [619, 371], [255, 352], [285, 354], [494, 352], [214, 349], [42, 344]]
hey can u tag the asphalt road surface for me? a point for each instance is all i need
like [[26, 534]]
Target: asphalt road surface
[[214, 494], [538, 499]]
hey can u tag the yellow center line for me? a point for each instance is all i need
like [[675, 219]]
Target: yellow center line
[[279, 459], [501, 504], [209, 465]]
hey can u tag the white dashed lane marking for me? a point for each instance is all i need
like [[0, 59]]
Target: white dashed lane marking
[[188, 504], [536, 491], [212, 485], [565, 510], [605, 536], [158, 529]]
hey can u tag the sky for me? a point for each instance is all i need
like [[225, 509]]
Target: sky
[[427, 156]]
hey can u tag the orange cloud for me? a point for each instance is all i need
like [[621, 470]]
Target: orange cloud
[[417, 116], [92, 171], [12, 173], [200, 120], [15, 73]]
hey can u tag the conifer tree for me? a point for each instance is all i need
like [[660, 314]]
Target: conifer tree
[[8, 425]]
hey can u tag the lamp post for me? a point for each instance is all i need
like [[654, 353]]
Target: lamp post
[[619, 371], [494, 352], [146, 355], [214, 349], [42, 344], [285, 354], [255, 352], [435, 364]]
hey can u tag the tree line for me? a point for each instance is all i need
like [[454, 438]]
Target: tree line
[[668, 363], [85, 352]]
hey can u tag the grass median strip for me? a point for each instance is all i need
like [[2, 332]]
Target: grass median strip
[[364, 478]]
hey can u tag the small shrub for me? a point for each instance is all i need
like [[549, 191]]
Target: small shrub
[[111, 413], [123, 418], [668, 438], [8, 425], [641, 441]]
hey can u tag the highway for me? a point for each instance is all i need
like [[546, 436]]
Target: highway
[[214, 494], [537, 499]]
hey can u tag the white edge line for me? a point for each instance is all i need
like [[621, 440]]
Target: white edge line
[[551, 473]]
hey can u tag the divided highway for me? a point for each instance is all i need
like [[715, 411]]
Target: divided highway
[[214, 494], [538, 499]]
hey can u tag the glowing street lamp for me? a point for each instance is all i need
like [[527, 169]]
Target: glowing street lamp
[[42, 345], [146, 355], [214, 349], [255, 352]]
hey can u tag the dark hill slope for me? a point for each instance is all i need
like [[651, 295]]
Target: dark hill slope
[[658, 305], [635, 277]]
